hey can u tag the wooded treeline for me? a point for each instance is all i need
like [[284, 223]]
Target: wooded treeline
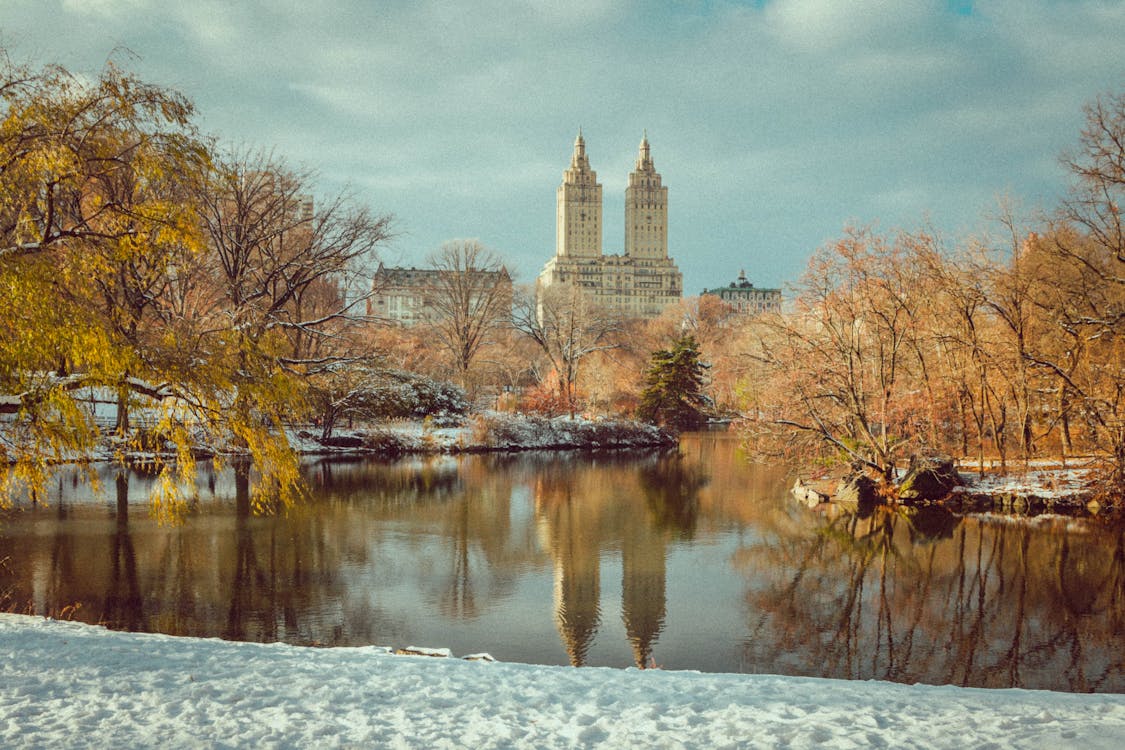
[[224, 290], [897, 344]]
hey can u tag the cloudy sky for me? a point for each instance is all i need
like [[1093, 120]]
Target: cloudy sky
[[775, 123]]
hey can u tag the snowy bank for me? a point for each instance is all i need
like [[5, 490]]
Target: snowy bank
[[491, 431], [1037, 487], [72, 685]]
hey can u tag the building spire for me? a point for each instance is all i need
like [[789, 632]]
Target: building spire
[[579, 157], [644, 155]]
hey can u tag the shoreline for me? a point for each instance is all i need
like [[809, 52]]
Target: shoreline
[[1037, 487], [1040, 486], [502, 433]]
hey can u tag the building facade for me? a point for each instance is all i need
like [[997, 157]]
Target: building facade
[[746, 298], [641, 281], [408, 295]]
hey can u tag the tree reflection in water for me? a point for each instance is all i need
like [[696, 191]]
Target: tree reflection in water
[[223, 572], [514, 554], [123, 608], [949, 601], [246, 572], [671, 488]]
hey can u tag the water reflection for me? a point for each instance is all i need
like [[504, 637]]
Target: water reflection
[[671, 488], [926, 596], [692, 559], [123, 602], [643, 595]]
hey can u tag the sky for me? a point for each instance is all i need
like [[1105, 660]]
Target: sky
[[775, 123]]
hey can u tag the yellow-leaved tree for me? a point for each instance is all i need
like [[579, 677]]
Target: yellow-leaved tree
[[89, 222], [201, 290]]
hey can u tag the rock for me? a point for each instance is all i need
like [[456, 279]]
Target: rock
[[442, 653], [809, 496], [931, 478], [857, 489], [858, 492], [479, 657], [342, 441]]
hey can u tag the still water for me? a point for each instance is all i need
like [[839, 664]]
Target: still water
[[695, 559]]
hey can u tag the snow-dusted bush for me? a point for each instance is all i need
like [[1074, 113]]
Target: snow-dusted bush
[[509, 431], [385, 442], [400, 394]]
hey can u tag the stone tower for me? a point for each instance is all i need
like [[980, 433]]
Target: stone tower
[[643, 279], [579, 223], [646, 209]]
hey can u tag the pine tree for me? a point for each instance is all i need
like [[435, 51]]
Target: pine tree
[[673, 393]]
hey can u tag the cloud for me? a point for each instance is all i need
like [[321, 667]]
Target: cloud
[[773, 122], [105, 8], [825, 27]]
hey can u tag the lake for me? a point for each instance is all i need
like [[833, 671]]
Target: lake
[[690, 559]]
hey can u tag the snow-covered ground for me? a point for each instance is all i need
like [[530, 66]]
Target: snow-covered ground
[[491, 431], [67, 685], [496, 431], [1045, 479]]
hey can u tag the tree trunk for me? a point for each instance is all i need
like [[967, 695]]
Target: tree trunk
[[1064, 420], [122, 423], [327, 424], [964, 425], [565, 396]]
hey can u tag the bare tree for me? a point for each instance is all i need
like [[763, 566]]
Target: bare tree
[[281, 272], [470, 300], [1085, 350], [1097, 200], [275, 250], [568, 327], [1087, 299], [841, 370]]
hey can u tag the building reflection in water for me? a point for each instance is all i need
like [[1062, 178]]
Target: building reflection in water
[[648, 505], [643, 551], [572, 524]]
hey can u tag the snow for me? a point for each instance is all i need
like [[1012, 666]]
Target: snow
[[72, 685], [490, 431], [494, 431], [1045, 482]]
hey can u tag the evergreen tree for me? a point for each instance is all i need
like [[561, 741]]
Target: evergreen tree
[[673, 393]]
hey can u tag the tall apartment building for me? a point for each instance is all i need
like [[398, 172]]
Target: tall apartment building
[[644, 279]]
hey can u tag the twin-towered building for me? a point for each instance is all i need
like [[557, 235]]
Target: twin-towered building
[[638, 283], [643, 279]]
